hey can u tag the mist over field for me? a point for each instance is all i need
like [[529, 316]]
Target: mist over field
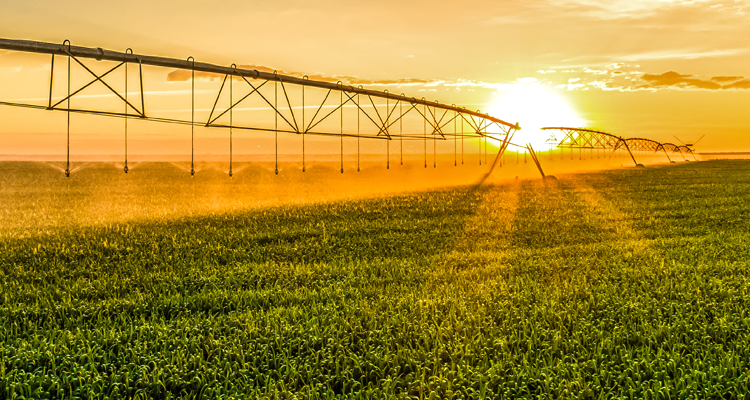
[[618, 282], [38, 198]]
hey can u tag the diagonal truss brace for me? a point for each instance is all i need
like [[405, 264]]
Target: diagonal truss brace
[[97, 78]]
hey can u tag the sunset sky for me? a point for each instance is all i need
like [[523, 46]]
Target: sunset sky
[[633, 67]]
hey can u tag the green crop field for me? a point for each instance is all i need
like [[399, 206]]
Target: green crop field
[[627, 283]]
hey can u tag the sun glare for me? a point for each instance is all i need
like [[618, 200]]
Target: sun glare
[[534, 106]]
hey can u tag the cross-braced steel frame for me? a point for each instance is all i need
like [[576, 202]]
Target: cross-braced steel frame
[[652, 145], [440, 122], [592, 139]]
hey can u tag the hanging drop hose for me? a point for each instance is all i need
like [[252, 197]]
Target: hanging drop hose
[[358, 131], [341, 100], [401, 128], [276, 124], [455, 140], [231, 120], [424, 112], [128, 51], [192, 117], [479, 142], [67, 165], [388, 140], [434, 141], [462, 139], [304, 131]]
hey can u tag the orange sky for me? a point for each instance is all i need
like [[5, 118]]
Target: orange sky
[[634, 68]]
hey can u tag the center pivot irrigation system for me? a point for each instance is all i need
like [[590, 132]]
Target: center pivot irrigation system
[[579, 138], [295, 105]]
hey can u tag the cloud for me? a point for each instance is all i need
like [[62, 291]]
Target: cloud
[[656, 55], [726, 78], [684, 54], [595, 71], [640, 9], [504, 20], [625, 77], [183, 75], [615, 76], [674, 79], [743, 84], [527, 80]]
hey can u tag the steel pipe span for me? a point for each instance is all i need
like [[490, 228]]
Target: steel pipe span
[[589, 138], [388, 125], [652, 144], [100, 54], [382, 121]]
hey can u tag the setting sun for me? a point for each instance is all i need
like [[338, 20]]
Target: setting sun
[[375, 200], [535, 106]]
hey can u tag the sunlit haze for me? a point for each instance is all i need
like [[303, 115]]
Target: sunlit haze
[[535, 106], [635, 69]]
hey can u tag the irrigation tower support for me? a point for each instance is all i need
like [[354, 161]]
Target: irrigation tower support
[[588, 138]]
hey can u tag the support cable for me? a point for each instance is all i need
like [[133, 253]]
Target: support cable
[[51, 77], [143, 97]]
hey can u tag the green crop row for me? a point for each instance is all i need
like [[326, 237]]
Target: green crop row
[[629, 283]]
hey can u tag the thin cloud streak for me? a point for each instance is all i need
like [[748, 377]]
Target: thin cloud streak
[[182, 75], [641, 9], [680, 54]]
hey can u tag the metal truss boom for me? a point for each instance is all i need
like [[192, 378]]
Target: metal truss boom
[[383, 113], [592, 139], [100, 54], [439, 117]]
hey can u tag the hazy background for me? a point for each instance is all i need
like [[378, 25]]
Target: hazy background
[[633, 68]]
